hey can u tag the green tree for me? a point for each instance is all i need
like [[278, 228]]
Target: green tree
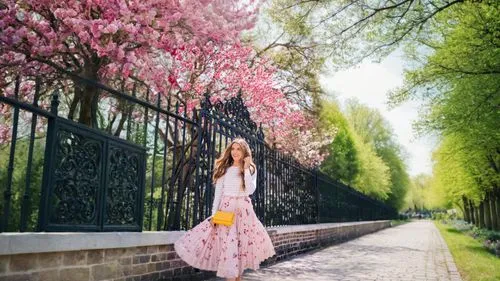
[[452, 180], [376, 132], [417, 197], [298, 62], [374, 177], [347, 31], [457, 76], [22, 194], [400, 180], [342, 162], [363, 153]]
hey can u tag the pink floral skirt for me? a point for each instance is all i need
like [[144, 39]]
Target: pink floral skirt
[[229, 250]]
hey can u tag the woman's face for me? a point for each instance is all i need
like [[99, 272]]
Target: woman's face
[[237, 152]]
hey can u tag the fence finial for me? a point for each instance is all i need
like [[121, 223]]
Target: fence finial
[[260, 132], [206, 102], [54, 104]]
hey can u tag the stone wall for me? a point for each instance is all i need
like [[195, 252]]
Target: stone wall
[[293, 240], [142, 256]]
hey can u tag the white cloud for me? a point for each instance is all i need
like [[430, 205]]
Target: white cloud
[[370, 83]]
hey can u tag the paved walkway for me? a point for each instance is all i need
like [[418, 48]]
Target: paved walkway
[[413, 251]]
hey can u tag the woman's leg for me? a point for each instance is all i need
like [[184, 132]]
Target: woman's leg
[[230, 279], [239, 278]]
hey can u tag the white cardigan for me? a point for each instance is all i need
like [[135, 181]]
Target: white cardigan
[[230, 185]]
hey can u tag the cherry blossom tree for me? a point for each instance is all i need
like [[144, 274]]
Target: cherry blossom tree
[[97, 39], [227, 70], [175, 49]]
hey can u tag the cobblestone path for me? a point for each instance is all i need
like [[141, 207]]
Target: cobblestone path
[[412, 251]]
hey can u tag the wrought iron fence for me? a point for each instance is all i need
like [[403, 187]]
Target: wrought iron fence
[[76, 155]]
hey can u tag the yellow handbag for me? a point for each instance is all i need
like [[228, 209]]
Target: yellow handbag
[[224, 218]]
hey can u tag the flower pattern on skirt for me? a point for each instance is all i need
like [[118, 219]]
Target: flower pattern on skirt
[[229, 250]]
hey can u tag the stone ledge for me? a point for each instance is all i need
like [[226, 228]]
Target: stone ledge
[[319, 226], [43, 242], [20, 243]]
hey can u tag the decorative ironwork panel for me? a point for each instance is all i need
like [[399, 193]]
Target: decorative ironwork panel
[[124, 187], [92, 181], [77, 177]]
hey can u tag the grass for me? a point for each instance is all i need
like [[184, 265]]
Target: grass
[[398, 222], [473, 261]]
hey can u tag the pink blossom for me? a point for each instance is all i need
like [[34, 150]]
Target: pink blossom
[[5, 132], [178, 48]]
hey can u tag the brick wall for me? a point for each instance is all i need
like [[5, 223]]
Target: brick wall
[[292, 241], [153, 262], [134, 264]]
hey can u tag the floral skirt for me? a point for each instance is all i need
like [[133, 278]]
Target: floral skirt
[[229, 250]]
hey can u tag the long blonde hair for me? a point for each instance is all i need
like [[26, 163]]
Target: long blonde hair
[[226, 160]]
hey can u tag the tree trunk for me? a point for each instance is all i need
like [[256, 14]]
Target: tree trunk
[[493, 211], [89, 97], [481, 215], [87, 108], [476, 215], [182, 172], [466, 209], [487, 211], [472, 213], [74, 102], [498, 209]]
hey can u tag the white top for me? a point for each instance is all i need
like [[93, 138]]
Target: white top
[[230, 185]]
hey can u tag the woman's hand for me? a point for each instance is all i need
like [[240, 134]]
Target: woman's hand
[[247, 160]]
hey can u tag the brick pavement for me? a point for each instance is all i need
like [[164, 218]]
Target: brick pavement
[[413, 251]]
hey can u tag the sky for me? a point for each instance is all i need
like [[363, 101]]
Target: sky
[[370, 82]]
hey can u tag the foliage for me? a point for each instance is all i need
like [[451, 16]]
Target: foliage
[[452, 180], [489, 238], [399, 222], [461, 94], [297, 69], [444, 216], [342, 162], [309, 33], [461, 98], [400, 180], [376, 133], [298, 64], [485, 234], [20, 177], [473, 261], [493, 246], [373, 178], [462, 225], [347, 31], [363, 153], [301, 36], [417, 197]]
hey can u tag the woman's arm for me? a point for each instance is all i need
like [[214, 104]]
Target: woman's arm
[[250, 181], [217, 195]]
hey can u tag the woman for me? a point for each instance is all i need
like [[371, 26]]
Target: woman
[[229, 250]]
